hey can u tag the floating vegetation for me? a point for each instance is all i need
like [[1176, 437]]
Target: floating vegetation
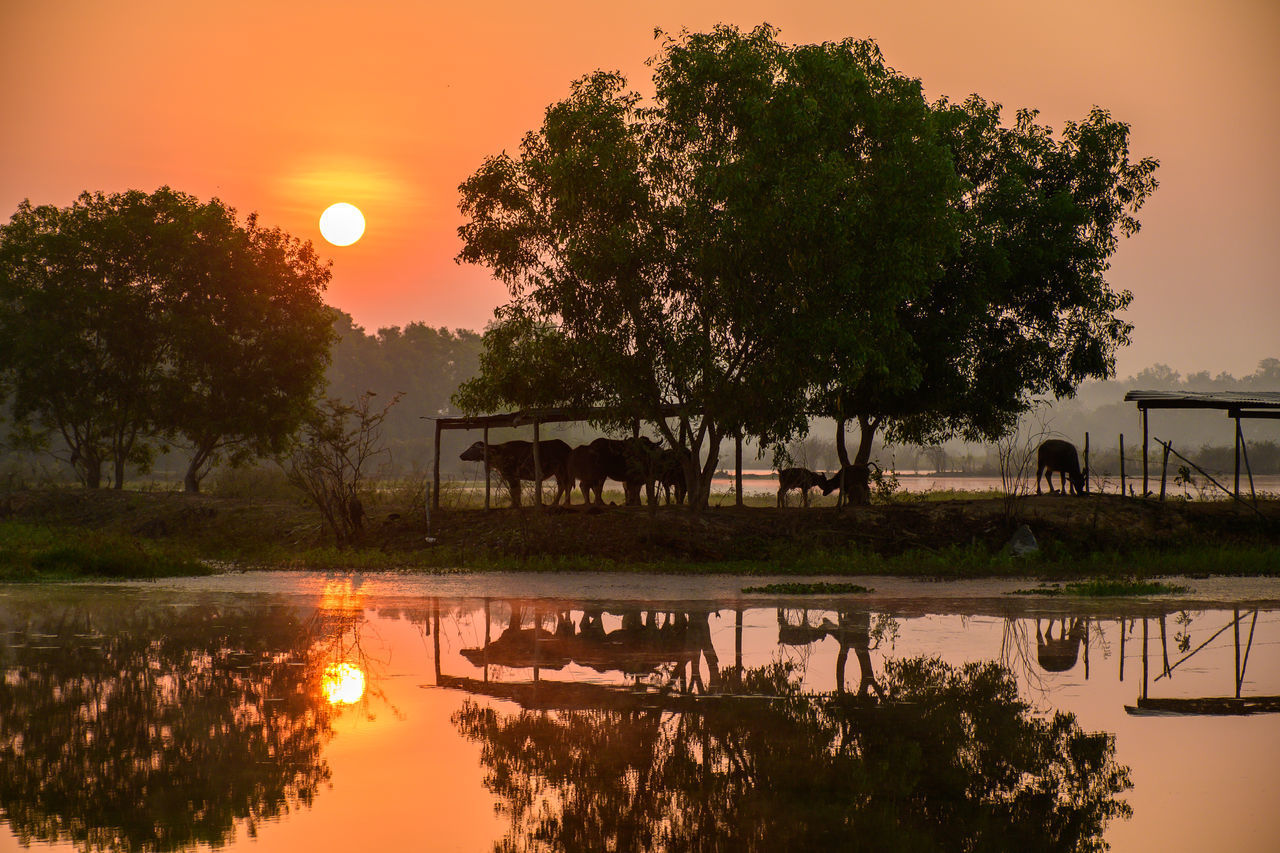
[[808, 588], [1104, 588]]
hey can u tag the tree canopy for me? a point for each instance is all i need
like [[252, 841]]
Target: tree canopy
[[132, 318], [713, 249], [794, 230]]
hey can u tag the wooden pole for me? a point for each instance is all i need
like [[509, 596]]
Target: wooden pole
[[1145, 671], [1122, 632], [1244, 453], [1164, 468], [1145, 491], [1237, 489], [1122, 487], [1086, 464], [537, 475], [435, 471], [435, 624], [737, 452], [486, 468]]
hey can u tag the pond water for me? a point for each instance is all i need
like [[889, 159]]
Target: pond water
[[294, 711]]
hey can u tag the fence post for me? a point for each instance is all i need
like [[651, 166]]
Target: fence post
[[1164, 468], [1086, 463]]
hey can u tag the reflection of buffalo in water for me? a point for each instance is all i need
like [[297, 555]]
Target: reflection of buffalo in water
[[1059, 654], [513, 460], [640, 647]]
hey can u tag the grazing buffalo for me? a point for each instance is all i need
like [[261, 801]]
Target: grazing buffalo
[[1058, 456], [630, 461], [669, 474], [586, 470], [513, 460], [802, 479], [854, 483]]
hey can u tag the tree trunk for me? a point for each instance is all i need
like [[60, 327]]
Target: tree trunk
[[119, 473], [191, 480], [841, 450], [92, 471], [868, 427]]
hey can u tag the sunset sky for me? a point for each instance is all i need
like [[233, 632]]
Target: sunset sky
[[286, 107]]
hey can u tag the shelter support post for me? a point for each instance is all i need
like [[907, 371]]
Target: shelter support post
[[1145, 490], [737, 455], [1122, 486], [1238, 437], [1086, 462], [486, 467], [435, 472], [537, 469]]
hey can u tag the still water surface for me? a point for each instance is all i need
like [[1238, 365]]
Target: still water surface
[[311, 712]]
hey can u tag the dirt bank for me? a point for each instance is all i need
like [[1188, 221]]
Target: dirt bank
[[267, 531]]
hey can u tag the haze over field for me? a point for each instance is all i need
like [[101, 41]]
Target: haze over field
[[290, 107]]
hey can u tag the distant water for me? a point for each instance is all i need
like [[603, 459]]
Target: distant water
[[766, 482]]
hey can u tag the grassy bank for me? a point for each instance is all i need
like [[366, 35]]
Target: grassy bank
[[77, 533]]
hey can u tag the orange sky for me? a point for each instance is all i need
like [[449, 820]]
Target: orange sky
[[285, 107]]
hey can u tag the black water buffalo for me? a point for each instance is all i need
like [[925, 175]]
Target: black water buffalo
[[1058, 456], [586, 470], [630, 461], [669, 474], [513, 460], [802, 479], [854, 483]]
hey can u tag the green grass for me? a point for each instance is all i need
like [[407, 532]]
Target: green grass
[[819, 588], [35, 552]]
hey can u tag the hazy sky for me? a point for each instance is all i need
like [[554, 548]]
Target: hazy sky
[[285, 107]]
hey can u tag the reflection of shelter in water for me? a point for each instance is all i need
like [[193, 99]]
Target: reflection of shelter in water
[[670, 648], [1237, 704], [648, 643]]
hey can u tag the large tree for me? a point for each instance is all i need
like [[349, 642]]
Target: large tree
[[692, 251], [134, 316], [1022, 307]]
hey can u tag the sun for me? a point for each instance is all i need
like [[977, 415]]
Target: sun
[[342, 224]]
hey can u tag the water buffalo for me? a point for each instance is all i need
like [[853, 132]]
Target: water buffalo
[[586, 470], [630, 461], [1058, 456], [513, 460], [669, 474], [802, 479], [854, 483]]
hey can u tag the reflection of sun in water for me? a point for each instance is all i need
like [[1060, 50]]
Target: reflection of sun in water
[[343, 684], [342, 224]]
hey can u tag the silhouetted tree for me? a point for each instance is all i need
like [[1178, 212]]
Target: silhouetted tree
[[329, 457], [132, 318], [694, 251], [1021, 307]]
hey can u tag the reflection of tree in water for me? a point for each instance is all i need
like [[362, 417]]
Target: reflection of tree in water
[[154, 729], [949, 759]]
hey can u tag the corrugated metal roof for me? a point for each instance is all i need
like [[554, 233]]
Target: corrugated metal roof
[[1256, 400]]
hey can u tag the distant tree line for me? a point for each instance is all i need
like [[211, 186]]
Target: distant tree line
[[789, 231]]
